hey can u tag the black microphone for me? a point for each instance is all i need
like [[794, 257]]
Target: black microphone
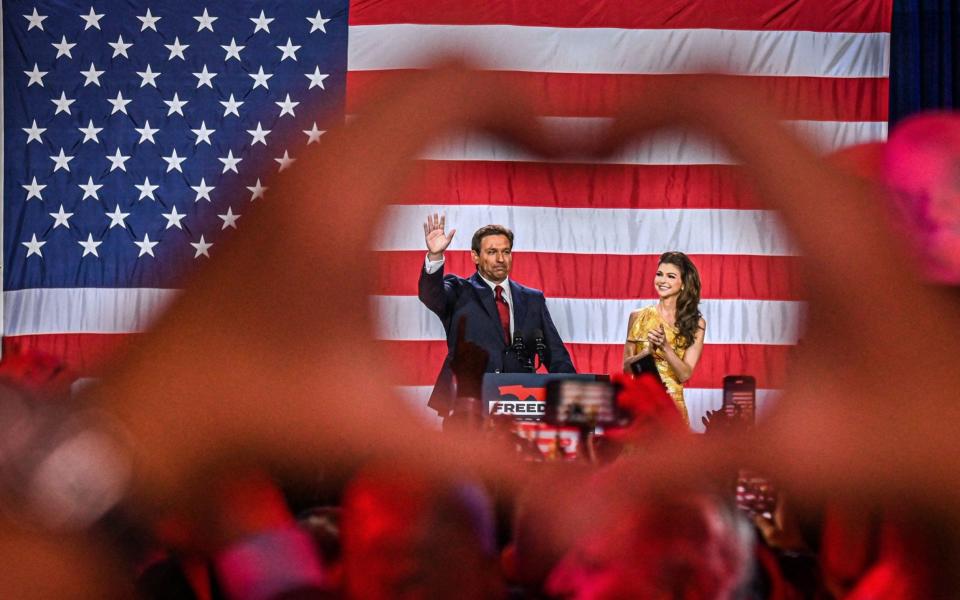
[[519, 348], [518, 344], [539, 346]]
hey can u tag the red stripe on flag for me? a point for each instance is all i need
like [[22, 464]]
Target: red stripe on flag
[[575, 185], [608, 276], [671, 14], [417, 363], [601, 95], [83, 353]]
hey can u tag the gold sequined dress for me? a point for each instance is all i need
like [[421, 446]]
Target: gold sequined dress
[[644, 321]]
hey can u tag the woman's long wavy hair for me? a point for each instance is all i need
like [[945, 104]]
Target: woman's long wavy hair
[[688, 303]]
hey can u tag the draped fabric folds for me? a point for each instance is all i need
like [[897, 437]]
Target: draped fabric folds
[[587, 233], [925, 56]]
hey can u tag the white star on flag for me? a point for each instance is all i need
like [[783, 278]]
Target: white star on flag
[[92, 19], [176, 105], [173, 161], [117, 161], [63, 104], [63, 48], [313, 134], [61, 218], [205, 77], [256, 190], [201, 247], [287, 106], [289, 50], [90, 132], [203, 134], [146, 246], [146, 189], [90, 189], [173, 218], [92, 76], [148, 77], [316, 79], [285, 161], [61, 161], [318, 23], [203, 190], [229, 219], [230, 163], [118, 218], [146, 133], [33, 132], [36, 20], [149, 21], [262, 23], [176, 49], [33, 246], [119, 104], [231, 106], [34, 189], [259, 135], [120, 47], [233, 50], [90, 246], [260, 79], [36, 76], [205, 21]]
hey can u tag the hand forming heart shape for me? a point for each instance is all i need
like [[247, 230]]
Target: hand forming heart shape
[[253, 355]]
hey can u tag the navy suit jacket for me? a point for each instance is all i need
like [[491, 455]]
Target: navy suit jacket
[[452, 297]]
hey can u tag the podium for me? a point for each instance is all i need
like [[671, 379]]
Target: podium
[[523, 395]]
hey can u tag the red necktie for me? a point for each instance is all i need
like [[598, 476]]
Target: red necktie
[[504, 309]]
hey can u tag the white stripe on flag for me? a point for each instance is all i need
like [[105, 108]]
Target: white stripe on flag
[[128, 310], [597, 231], [82, 310], [660, 148], [593, 321], [622, 51]]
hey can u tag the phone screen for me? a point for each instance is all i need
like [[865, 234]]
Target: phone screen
[[740, 397], [571, 402], [756, 495]]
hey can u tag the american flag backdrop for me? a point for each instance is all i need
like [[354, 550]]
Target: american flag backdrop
[[136, 135], [587, 234]]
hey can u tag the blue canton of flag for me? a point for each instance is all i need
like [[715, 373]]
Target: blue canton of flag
[[136, 133]]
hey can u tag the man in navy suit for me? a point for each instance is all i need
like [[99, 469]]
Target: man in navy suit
[[495, 307]]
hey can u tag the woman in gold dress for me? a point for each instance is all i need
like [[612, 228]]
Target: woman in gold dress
[[672, 329]]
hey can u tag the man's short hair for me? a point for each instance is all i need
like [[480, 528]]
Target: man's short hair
[[489, 230]]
